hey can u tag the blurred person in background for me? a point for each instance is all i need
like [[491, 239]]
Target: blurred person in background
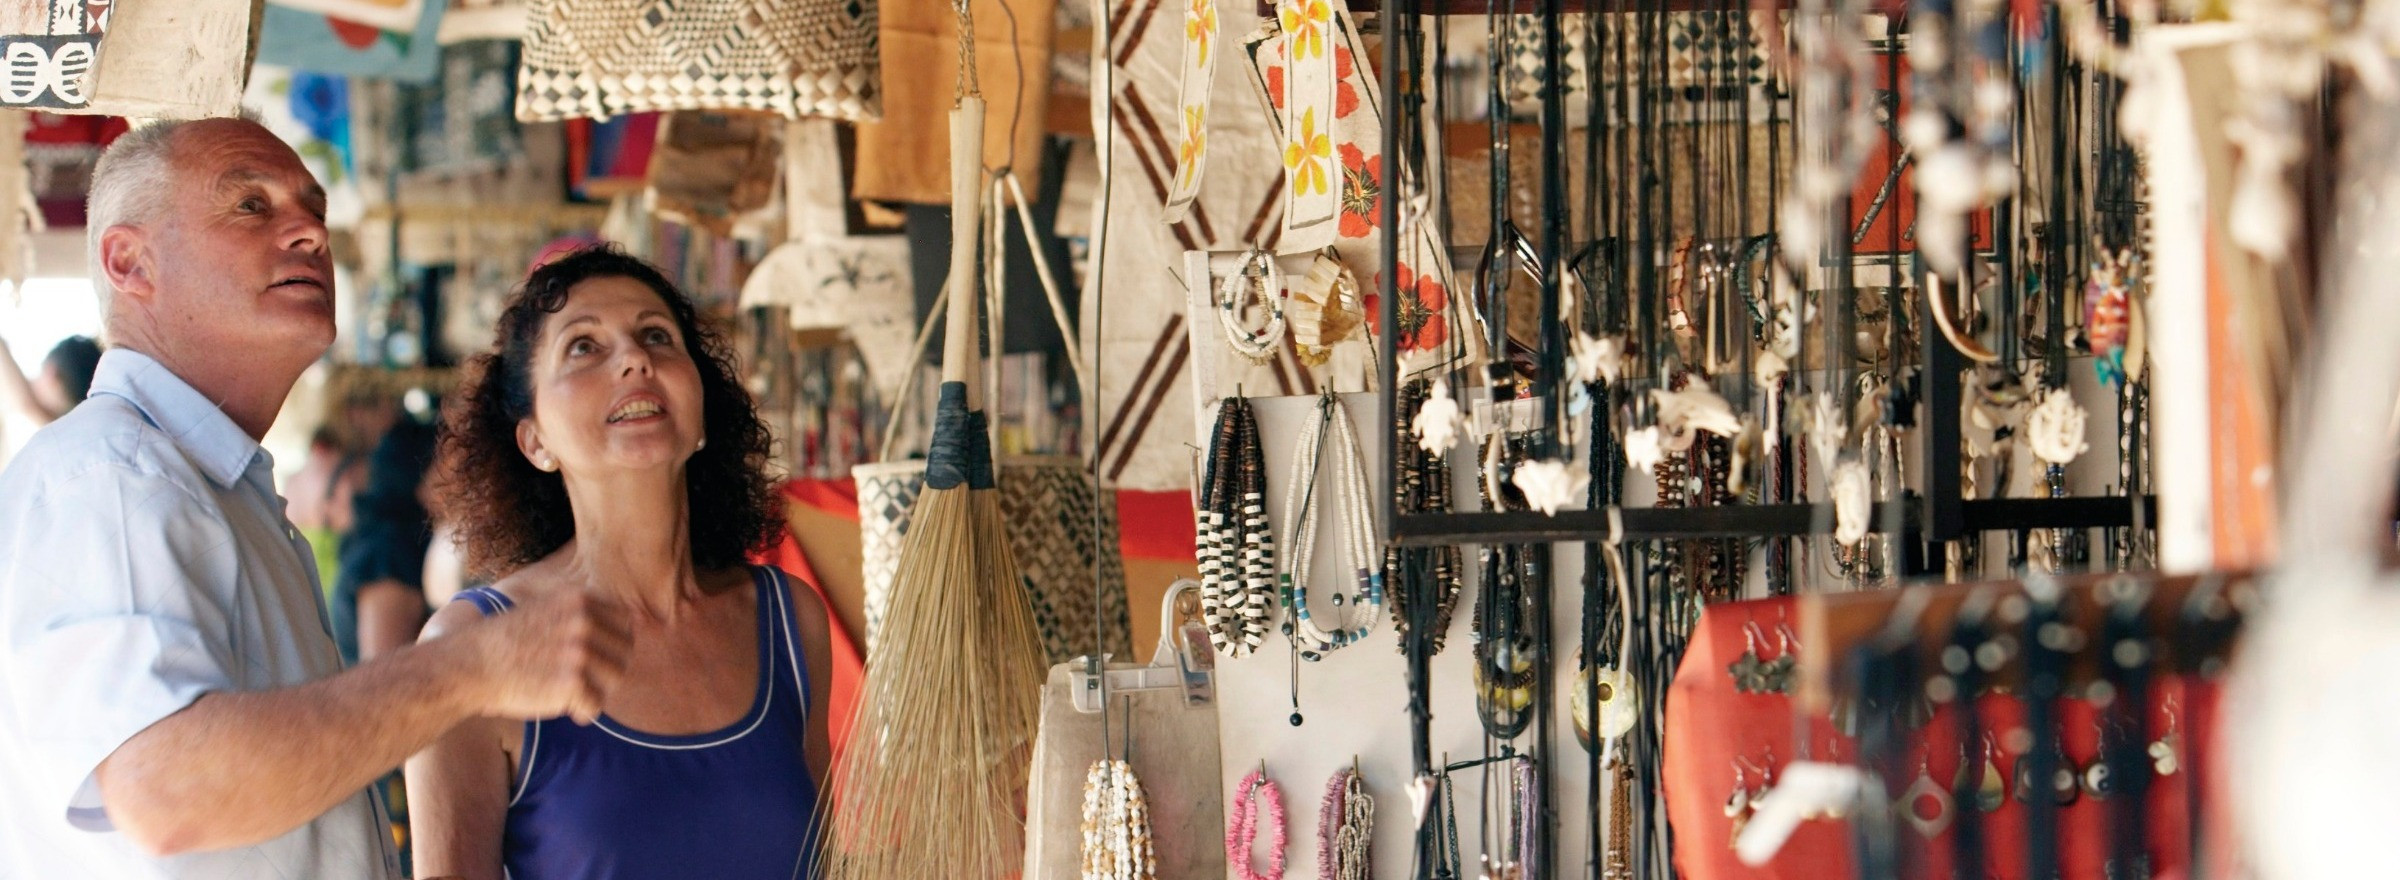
[[318, 499], [378, 600], [65, 379]]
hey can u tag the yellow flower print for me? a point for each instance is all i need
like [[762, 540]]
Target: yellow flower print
[[1195, 135], [1201, 26], [1305, 21], [1305, 158]]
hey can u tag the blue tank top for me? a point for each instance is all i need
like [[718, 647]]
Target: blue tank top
[[607, 801]]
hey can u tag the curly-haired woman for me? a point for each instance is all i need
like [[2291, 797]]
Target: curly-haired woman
[[606, 445]]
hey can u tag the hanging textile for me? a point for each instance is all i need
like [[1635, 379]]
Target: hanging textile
[[175, 60], [1144, 365], [461, 122], [826, 278], [905, 156], [389, 15], [19, 214], [52, 46], [1350, 144], [324, 43], [610, 157], [715, 171], [470, 20], [60, 151], [1050, 505], [598, 58], [311, 112]]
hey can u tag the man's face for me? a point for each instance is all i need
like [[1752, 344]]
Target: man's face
[[240, 250]]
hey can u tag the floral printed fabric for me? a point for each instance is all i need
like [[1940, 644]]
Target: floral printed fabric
[[1347, 132]]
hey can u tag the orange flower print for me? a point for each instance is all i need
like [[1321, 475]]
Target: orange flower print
[[1195, 136], [1423, 302], [1201, 26], [1275, 85], [1362, 192], [1345, 99], [1305, 158]]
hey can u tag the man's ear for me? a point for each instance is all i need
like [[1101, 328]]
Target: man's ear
[[125, 260]]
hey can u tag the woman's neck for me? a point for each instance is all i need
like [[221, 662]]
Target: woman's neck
[[633, 541]]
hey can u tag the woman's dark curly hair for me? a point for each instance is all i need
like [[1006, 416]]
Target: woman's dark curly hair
[[510, 514]]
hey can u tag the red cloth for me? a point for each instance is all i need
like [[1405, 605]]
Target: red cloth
[[1710, 724]]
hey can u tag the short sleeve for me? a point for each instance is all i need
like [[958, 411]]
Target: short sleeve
[[114, 594]]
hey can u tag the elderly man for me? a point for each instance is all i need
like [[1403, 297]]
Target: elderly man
[[170, 702]]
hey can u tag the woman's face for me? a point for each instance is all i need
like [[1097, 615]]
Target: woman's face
[[614, 388]]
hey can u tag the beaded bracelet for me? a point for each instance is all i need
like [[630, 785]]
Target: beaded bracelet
[[1258, 794], [1258, 277]]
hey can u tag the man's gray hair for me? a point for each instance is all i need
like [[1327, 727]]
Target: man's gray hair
[[130, 183]]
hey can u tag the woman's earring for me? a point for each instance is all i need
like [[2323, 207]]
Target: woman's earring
[[545, 463], [703, 444]]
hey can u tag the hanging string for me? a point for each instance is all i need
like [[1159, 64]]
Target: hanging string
[[968, 85]]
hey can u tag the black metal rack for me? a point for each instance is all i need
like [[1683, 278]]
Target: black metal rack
[[1941, 514]]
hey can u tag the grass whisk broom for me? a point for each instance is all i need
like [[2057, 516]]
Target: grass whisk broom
[[931, 783]]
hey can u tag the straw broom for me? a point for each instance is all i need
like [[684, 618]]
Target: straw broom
[[942, 746]]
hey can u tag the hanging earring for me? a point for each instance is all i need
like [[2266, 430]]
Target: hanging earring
[[1924, 794], [2066, 782], [1992, 793], [1737, 804], [1749, 675], [1779, 672], [2096, 780], [2162, 753]]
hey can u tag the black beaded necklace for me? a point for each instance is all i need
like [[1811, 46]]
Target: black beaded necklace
[[1236, 546]]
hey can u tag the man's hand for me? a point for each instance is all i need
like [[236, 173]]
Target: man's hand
[[557, 655]]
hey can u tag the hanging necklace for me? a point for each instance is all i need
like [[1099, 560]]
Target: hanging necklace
[[1236, 547], [1506, 654], [1348, 497], [1116, 825], [1258, 795], [1424, 479], [1345, 825]]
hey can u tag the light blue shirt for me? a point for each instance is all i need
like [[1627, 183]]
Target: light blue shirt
[[145, 560]]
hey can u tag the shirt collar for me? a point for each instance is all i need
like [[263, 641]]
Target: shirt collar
[[200, 428]]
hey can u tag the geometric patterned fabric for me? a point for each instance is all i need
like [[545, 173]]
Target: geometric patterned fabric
[[601, 58], [1048, 503]]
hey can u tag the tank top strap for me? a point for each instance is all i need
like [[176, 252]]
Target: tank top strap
[[776, 588], [485, 599]]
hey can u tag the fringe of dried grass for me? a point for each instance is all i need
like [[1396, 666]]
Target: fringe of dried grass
[[932, 783]]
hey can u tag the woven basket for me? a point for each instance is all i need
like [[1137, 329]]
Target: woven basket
[[1049, 502]]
